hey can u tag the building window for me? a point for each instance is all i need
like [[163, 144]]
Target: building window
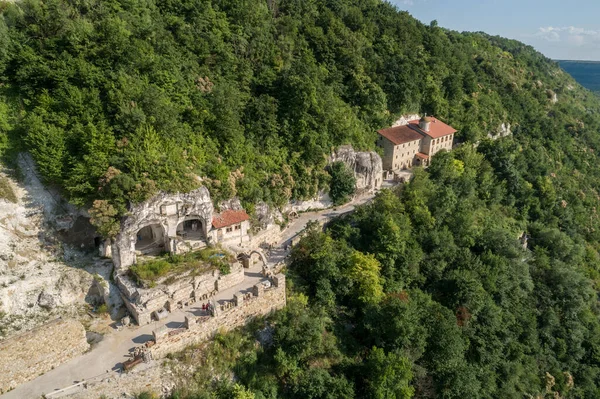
[[229, 230], [237, 227]]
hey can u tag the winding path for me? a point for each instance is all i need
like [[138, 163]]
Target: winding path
[[111, 352]]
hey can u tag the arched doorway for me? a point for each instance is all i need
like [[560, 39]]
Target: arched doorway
[[192, 232], [150, 239]]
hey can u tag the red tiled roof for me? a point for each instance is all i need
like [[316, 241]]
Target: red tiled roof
[[421, 155], [437, 128], [228, 218], [400, 134]]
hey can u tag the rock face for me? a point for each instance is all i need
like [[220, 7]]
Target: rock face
[[405, 119], [266, 215], [162, 214], [502, 131], [367, 167], [40, 277], [46, 301], [233, 204]]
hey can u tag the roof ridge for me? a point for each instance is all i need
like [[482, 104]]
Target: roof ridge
[[417, 129]]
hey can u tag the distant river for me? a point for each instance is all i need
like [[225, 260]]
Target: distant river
[[587, 73]]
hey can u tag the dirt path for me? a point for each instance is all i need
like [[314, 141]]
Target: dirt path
[[295, 227]]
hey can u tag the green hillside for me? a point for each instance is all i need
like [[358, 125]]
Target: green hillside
[[425, 293], [117, 99]]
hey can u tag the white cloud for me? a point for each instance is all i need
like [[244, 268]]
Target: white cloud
[[407, 2], [570, 35]]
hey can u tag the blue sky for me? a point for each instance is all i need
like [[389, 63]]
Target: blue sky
[[560, 29]]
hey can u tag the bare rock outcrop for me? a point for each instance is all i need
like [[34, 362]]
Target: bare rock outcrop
[[38, 281], [504, 130], [46, 300], [232, 204], [367, 167], [405, 119], [266, 215]]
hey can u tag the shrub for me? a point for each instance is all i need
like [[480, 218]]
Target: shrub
[[102, 309], [343, 183], [151, 270], [6, 190], [198, 262]]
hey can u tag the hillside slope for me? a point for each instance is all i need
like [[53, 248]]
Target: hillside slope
[[427, 292], [118, 99]]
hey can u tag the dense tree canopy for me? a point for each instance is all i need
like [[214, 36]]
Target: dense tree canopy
[[119, 99]]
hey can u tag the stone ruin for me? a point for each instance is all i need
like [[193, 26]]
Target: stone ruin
[[147, 304], [175, 223], [263, 298], [157, 225]]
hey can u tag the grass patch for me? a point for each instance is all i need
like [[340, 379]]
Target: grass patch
[[149, 272], [6, 190], [102, 309]]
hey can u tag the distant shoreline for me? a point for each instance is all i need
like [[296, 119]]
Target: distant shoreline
[[586, 73], [579, 61]]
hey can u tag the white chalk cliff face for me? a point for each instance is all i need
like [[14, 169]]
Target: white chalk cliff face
[[367, 167], [163, 213], [503, 130], [403, 121], [40, 278]]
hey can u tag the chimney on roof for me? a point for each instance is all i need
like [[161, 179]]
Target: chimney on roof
[[424, 123]]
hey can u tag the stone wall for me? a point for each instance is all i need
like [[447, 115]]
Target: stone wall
[[26, 356], [235, 277], [152, 378], [235, 314], [186, 288]]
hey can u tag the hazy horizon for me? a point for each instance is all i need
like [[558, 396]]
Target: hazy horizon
[[557, 31]]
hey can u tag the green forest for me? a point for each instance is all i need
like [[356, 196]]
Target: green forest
[[427, 292]]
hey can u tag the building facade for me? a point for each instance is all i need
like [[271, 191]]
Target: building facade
[[176, 223], [414, 143], [231, 226]]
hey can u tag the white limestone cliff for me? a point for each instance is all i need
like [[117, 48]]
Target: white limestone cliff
[[367, 167]]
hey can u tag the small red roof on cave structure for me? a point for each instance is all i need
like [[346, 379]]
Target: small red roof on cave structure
[[229, 218]]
